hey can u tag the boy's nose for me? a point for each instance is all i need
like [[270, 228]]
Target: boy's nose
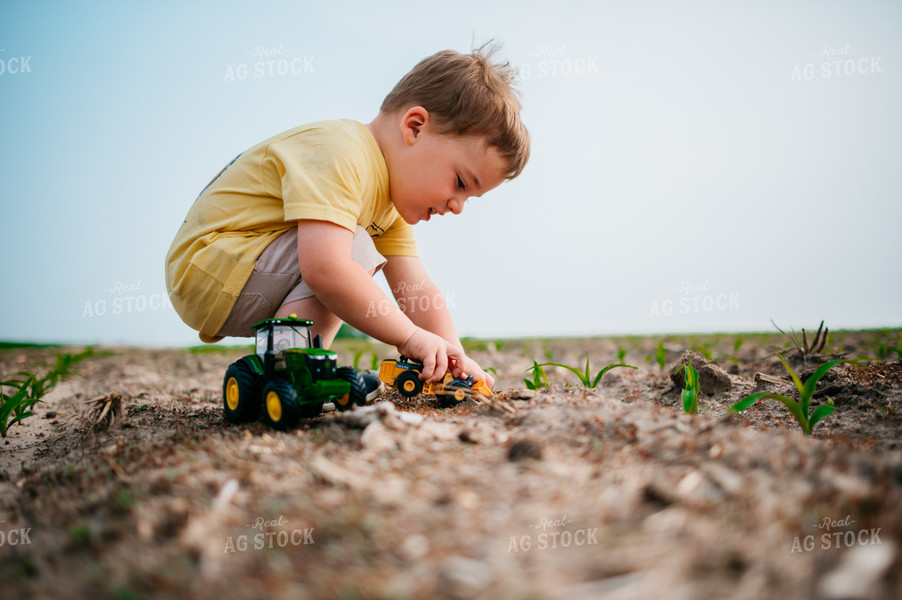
[[456, 205]]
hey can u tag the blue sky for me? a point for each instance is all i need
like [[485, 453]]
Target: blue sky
[[701, 166]]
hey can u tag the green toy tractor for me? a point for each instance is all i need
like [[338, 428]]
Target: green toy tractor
[[290, 377]]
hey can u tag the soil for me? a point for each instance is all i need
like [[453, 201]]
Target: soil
[[561, 492]]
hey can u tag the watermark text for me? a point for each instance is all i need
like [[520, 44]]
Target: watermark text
[[553, 536], [263, 539], [837, 62], [269, 62], [835, 539]]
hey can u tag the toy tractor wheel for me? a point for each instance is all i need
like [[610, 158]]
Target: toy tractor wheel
[[241, 393], [456, 392], [281, 409], [357, 393], [409, 384]]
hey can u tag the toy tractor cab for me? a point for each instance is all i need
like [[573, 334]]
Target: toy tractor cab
[[289, 377]]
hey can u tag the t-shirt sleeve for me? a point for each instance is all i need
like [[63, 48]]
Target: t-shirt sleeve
[[398, 240], [319, 181]]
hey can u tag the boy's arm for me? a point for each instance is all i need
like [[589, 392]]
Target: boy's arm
[[324, 257], [424, 303], [418, 297]]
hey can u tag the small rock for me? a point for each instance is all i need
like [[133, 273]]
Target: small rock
[[858, 573], [460, 578], [433, 430], [376, 438], [695, 488], [522, 394], [415, 547]]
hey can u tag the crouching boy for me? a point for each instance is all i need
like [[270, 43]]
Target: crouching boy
[[300, 222]]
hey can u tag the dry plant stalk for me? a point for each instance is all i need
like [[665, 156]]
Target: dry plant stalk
[[802, 347], [103, 411]]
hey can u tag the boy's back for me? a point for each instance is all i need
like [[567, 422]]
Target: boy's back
[[330, 170]]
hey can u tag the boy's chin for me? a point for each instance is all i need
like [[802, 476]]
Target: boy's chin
[[412, 219]]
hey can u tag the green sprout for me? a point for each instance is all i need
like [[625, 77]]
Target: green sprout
[[621, 354], [357, 356], [690, 394], [585, 377], [539, 379], [800, 410], [30, 389], [661, 355]]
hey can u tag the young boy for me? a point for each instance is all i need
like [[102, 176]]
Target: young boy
[[302, 221]]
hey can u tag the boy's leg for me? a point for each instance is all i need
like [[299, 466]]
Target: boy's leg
[[276, 289], [325, 323]]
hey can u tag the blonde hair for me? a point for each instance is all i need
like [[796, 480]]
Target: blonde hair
[[468, 94]]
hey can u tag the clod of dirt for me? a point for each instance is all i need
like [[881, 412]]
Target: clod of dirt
[[711, 378], [524, 449]]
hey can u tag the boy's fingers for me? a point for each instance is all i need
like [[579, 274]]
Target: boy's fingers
[[428, 367], [441, 366]]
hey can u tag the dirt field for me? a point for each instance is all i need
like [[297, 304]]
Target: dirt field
[[566, 492]]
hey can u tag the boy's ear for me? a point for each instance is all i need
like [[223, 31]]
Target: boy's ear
[[413, 122]]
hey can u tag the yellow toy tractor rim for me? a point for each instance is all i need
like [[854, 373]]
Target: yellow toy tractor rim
[[232, 393], [343, 400], [409, 385], [274, 406], [460, 394]]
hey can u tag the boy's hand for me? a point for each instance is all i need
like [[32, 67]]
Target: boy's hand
[[437, 355], [471, 368]]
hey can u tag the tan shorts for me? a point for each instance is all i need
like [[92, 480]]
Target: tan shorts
[[276, 280]]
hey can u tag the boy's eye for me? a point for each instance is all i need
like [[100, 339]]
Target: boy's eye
[[460, 183]]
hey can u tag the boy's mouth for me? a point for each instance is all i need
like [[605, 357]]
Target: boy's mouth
[[430, 212]]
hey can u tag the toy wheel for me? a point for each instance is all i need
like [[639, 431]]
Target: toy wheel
[[409, 384], [281, 409], [456, 392], [357, 393], [241, 393]]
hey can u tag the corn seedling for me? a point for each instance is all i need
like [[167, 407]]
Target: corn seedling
[[621, 354], [356, 362], [29, 389], [705, 351], [661, 355], [800, 410], [585, 377], [539, 379], [690, 394]]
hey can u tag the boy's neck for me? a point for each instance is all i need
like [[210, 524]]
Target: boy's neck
[[378, 128]]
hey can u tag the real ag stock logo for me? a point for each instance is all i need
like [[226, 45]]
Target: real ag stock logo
[[836, 62], [844, 538], [14, 65], [14, 537], [554, 533], [692, 297], [269, 62], [125, 298], [265, 538], [558, 61]]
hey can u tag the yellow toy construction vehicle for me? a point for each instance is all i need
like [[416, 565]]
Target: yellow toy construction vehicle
[[404, 374]]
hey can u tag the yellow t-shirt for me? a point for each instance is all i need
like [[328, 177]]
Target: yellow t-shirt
[[327, 171]]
